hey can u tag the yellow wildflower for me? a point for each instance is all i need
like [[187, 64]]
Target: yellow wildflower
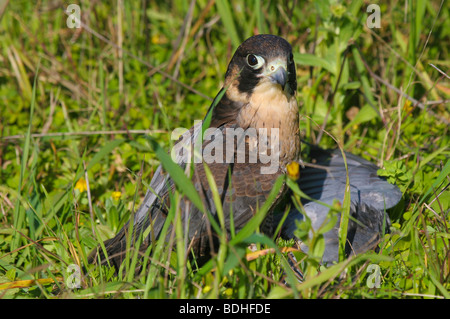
[[293, 170], [407, 107], [116, 195], [81, 185], [228, 292], [206, 289], [156, 39]]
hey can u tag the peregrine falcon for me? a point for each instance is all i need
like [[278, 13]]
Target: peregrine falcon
[[258, 97], [258, 100]]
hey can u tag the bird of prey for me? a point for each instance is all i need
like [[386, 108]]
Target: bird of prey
[[259, 93]]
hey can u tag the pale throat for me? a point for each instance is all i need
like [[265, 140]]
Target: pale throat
[[270, 107]]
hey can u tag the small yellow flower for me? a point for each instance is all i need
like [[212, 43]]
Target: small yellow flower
[[81, 185], [228, 292], [116, 195], [293, 170], [407, 107], [156, 39], [206, 289]]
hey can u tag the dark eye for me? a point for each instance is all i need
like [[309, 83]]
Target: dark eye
[[252, 60], [255, 61]]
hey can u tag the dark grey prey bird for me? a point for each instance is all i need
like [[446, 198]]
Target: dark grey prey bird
[[259, 93], [370, 197]]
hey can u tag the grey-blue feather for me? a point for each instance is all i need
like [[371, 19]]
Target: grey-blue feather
[[370, 195]]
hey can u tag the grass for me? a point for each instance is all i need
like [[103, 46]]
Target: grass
[[76, 106]]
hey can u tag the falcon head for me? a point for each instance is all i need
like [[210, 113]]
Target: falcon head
[[260, 86], [262, 60]]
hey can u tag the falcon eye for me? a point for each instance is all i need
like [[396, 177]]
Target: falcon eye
[[252, 60], [255, 61]]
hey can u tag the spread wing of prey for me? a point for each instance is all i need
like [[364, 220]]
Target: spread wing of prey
[[370, 197]]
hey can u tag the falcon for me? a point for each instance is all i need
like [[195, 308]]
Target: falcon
[[258, 96], [259, 93]]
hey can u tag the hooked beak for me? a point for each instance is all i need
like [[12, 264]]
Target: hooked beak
[[279, 76], [276, 72]]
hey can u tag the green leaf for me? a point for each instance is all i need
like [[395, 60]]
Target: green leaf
[[20, 213], [351, 85], [103, 152], [227, 18], [443, 175], [365, 114], [314, 60], [11, 274]]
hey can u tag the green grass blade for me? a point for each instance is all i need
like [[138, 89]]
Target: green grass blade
[[224, 10], [19, 212], [253, 224]]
